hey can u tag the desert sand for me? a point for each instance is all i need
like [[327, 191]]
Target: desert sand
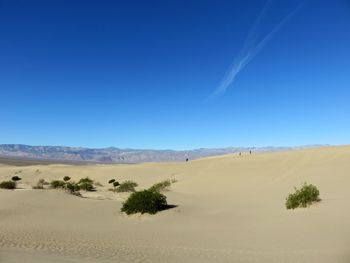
[[229, 209]]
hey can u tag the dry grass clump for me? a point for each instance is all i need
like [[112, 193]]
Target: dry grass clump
[[126, 186], [161, 186], [41, 184]]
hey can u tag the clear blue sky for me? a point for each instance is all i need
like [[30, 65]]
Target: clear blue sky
[[142, 74]]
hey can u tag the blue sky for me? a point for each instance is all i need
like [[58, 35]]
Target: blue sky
[[144, 74]]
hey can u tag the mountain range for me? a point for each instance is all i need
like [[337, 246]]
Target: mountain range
[[117, 155]]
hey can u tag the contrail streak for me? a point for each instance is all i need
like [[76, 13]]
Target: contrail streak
[[249, 50]]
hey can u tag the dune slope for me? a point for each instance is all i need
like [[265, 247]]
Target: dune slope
[[230, 209]]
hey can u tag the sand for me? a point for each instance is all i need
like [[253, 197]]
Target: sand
[[229, 209]]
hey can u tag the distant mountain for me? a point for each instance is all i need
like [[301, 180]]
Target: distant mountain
[[116, 155]]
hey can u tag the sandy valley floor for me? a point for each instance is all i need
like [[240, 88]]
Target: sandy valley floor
[[230, 209]]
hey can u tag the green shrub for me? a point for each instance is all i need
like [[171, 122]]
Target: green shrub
[[66, 178], [111, 181], [86, 184], [126, 186], [85, 180], [303, 197], [57, 184], [8, 185], [16, 178], [72, 187], [145, 201], [161, 186]]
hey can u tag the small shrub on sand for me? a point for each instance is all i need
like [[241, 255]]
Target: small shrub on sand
[[40, 184], [86, 180], [16, 178], [145, 201], [66, 178], [8, 185], [127, 186], [303, 197], [72, 187], [161, 186], [86, 184], [57, 184], [111, 181]]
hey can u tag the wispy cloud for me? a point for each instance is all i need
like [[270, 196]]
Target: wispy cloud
[[251, 48]]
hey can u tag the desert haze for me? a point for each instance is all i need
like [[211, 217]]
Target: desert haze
[[228, 209]]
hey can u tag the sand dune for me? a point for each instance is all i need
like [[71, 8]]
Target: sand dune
[[230, 209]]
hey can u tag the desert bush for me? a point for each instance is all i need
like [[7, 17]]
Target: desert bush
[[86, 180], [72, 187], [303, 197], [66, 178], [127, 186], [111, 181], [145, 201], [16, 178], [57, 184], [86, 186], [161, 186], [8, 185], [40, 184]]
